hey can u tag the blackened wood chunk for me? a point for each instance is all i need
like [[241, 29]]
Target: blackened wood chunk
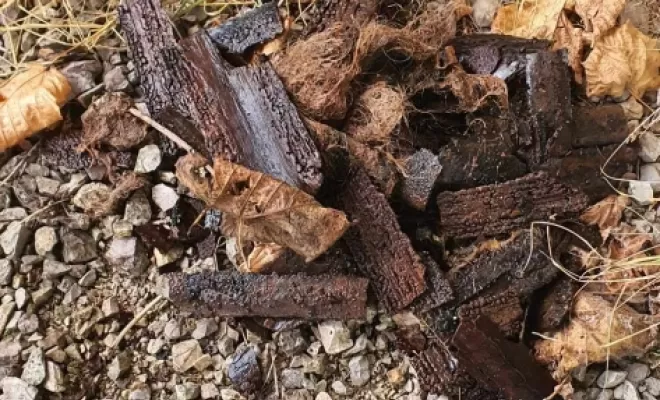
[[381, 250], [251, 295], [555, 304], [422, 171], [256, 26], [599, 126], [192, 81], [499, 364], [498, 209], [438, 291], [325, 13], [483, 157], [278, 142], [504, 309]]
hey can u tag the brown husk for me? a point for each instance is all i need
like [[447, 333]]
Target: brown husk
[[376, 114], [318, 71], [123, 188], [108, 122], [260, 208]]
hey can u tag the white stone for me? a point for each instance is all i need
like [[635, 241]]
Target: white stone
[[17, 389], [54, 378], [335, 336], [185, 355], [47, 186], [209, 391], [21, 297], [119, 366], [34, 370], [110, 307], [148, 159], [629, 391], [611, 379], [45, 239], [637, 372], [164, 197], [339, 387], [204, 328], [323, 396], [155, 345], [653, 386], [230, 394], [172, 330], [359, 371], [92, 195], [483, 12], [651, 173], [14, 239], [88, 279], [642, 192], [649, 147], [187, 391]]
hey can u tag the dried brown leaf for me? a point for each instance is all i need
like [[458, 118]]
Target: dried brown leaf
[[260, 208], [623, 58], [262, 257], [30, 102], [594, 324], [107, 121], [570, 38], [606, 213], [598, 16], [531, 19]]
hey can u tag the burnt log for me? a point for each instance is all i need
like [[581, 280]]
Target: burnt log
[[256, 26], [382, 252], [499, 364], [243, 114], [250, 295], [324, 13], [438, 288], [498, 209]]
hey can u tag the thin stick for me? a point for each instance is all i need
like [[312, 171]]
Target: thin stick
[[160, 128], [137, 318]]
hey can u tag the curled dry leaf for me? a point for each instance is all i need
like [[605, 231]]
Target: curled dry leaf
[[262, 257], [620, 273], [570, 38], [260, 208], [606, 213], [531, 19], [623, 58], [107, 121], [30, 102], [594, 325], [598, 16], [376, 114]]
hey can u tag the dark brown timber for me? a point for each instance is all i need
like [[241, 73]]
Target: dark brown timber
[[250, 295], [238, 34]]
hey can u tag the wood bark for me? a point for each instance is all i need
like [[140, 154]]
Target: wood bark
[[497, 209], [243, 113], [325, 13], [382, 252], [250, 295]]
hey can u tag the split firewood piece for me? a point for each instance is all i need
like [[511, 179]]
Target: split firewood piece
[[501, 208], [30, 102], [256, 26], [556, 304], [499, 364], [252, 295], [243, 114], [382, 251], [261, 208], [598, 126]]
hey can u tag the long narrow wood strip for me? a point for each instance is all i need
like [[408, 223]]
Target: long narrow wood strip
[[251, 295]]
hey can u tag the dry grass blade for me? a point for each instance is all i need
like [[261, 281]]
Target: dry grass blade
[[260, 208]]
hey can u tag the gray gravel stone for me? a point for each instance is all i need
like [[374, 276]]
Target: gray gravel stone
[[47, 186], [128, 254], [610, 379], [119, 366], [335, 336], [140, 392], [292, 378], [34, 370], [652, 386], [82, 75], [629, 392], [115, 80], [78, 247], [6, 271], [204, 328], [148, 159], [359, 371], [187, 391], [45, 239], [209, 391], [138, 210], [55, 381], [649, 147], [642, 192], [647, 396], [54, 269], [14, 239], [17, 389], [637, 372]]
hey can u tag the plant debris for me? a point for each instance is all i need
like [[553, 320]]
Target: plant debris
[[30, 102], [376, 114], [623, 58], [531, 19], [260, 208], [596, 331], [598, 16], [606, 213]]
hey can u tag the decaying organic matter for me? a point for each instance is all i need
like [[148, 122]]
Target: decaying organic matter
[[30, 102], [260, 208], [252, 295]]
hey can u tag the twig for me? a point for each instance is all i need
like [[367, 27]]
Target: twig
[[137, 318]]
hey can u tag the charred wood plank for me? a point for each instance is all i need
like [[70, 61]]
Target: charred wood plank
[[484, 156], [438, 288], [243, 114], [599, 126], [554, 304], [256, 26], [272, 296], [381, 250], [498, 209], [504, 309], [499, 364]]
